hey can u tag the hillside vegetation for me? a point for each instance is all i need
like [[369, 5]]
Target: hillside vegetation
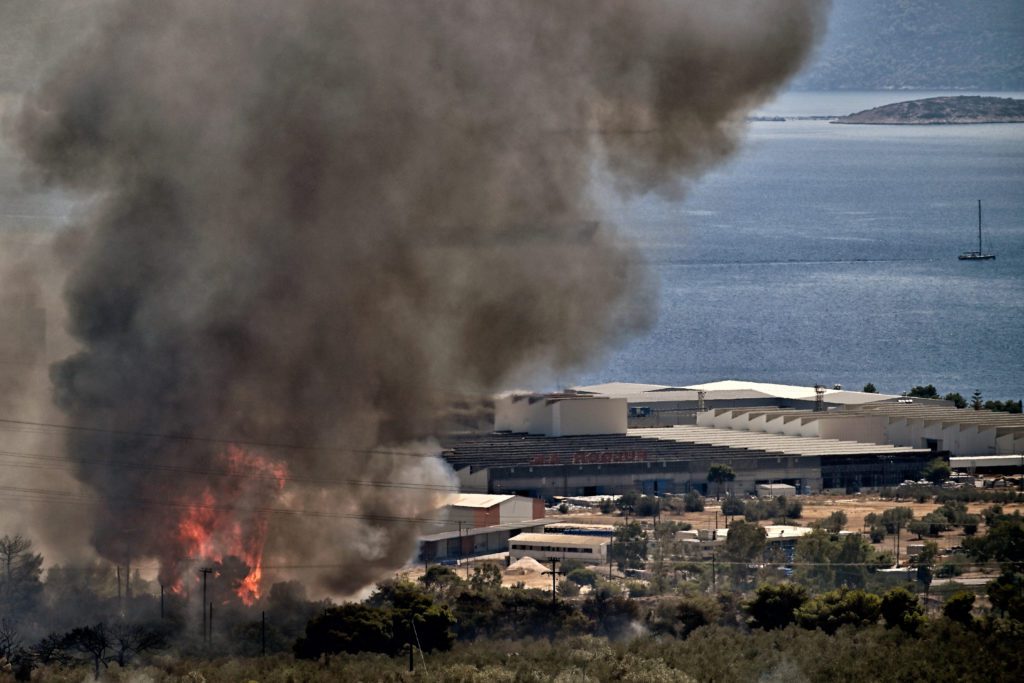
[[936, 110], [920, 44]]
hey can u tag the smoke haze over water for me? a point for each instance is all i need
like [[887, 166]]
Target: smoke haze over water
[[314, 221]]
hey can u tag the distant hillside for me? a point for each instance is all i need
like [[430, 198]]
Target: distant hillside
[[936, 110], [920, 44]]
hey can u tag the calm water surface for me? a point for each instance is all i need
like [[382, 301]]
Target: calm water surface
[[827, 253]]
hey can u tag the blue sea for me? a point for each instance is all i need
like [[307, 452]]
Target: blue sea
[[826, 253], [819, 253]]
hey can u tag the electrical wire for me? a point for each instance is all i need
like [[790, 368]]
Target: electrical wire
[[45, 461], [206, 439]]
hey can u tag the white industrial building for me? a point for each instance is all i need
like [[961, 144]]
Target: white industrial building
[[656, 405], [960, 432], [543, 547], [559, 414]]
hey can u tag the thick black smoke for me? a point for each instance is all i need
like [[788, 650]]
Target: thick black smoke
[[316, 220]]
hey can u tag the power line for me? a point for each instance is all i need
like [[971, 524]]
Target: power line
[[49, 495], [213, 440], [46, 461]]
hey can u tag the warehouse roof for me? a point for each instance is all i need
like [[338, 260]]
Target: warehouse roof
[[792, 392], [576, 540], [668, 444], [726, 390], [479, 500], [920, 411], [772, 443], [620, 388]]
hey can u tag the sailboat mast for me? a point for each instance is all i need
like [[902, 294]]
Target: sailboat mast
[[979, 226]]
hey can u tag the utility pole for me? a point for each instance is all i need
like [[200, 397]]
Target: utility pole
[[263, 633], [714, 572], [161, 601], [209, 636], [611, 545], [412, 660], [205, 571], [554, 577]]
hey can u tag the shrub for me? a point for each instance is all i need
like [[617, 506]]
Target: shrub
[[775, 606], [693, 502], [901, 609], [838, 608], [582, 576], [733, 506], [958, 607]]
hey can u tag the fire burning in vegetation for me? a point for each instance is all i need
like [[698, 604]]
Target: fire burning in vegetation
[[228, 522], [311, 223]]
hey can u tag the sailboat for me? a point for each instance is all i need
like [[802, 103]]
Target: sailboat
[[977, 255]]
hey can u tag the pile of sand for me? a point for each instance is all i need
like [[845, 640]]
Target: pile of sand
[[526, 565]]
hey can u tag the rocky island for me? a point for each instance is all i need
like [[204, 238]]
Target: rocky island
[[937, 110]]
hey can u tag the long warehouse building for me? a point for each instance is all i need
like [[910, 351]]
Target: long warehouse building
[[568, 445]]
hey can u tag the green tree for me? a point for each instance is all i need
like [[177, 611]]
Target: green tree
[[775, 606], [1004, 541], [648, 506], [901, 609], [813, 558], [627, 502], [896, 518], [835, 522], [441, 578], [679, 617], [937, 471], [838, 608], [629, 546], [958, 607], [919, 527], [485, 578], [733, 506], [1006, 593], [937, 523], [958, 400], [693, 502], [351, 627], [745, 542], [927, 391], [976, 402], [582, 576], [720, 474], [851, 561], [869, 388]]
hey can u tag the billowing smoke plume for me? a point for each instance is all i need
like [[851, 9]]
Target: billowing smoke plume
[[315, 221]]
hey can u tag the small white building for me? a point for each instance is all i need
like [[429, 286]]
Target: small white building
[[543, 547], [775, 490], [560, 414]]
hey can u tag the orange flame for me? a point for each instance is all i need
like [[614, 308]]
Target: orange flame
[[229, 521]]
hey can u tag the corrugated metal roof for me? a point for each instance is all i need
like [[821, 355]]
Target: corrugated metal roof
[[620, 388], [480, 500], [791, 392], [918, 411], [772, 443], [560, 539]]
